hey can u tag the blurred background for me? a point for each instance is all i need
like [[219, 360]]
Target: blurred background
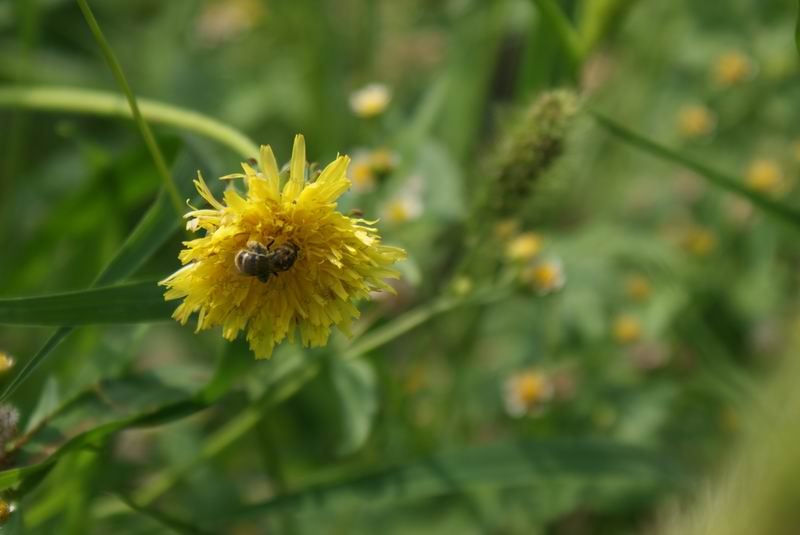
[[580, 332]]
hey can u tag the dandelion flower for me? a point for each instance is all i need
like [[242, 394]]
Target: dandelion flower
[[764, 176], [732, 68], [695, 121], [545, 277], [526, 393], [370, 101], [524, 247], [626, 329], [337, 259]]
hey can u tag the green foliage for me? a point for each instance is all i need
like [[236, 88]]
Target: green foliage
[[580, 333]]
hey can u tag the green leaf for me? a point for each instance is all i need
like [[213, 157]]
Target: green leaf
[[356, 385], [127, 303], [602, 473], [797, 29], [155, 228], [567, 35], [722, 180]]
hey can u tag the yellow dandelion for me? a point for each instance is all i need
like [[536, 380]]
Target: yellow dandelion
[[732, 68], [527, 392], [280, 260], [524, 247], [637, 287], [371, 100], [699, 241], [626, 329], [545, 277], [764, 176], [361, 174], [695, 120]]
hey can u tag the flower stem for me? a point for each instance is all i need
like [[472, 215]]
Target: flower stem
[[66, 99], [144, 128]]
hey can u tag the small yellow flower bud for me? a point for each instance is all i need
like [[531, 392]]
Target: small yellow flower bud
[[524, 247]]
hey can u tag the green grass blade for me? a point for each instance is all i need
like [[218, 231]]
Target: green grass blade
[[155, 228], [722, 180], [602, 470], [127, 303], [565, 32], [144, 128]]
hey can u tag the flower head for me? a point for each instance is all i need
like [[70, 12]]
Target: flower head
[[695, 121], [526, 392], [362, 176], [313, 262], [637, 287], [370, 101], [732, 68], [524, 247], [765, 176], [626, 329], [545, 277]]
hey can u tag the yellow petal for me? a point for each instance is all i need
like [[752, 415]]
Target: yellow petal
[[269, 166], [297, 170]]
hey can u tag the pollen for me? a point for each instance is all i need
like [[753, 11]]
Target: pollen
[[340, 259]]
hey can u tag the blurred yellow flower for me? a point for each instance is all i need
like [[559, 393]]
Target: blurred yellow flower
[[626, 329], [695, 120], [383, 161], [545, 277], [527, 392], [524, 247], [371, 100], [765, 176], [732, 68], [224, 20], [407, 204], [699, 241], [361, 175], [6, 362], [333, 260], [637, 287]]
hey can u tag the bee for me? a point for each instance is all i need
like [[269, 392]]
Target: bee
[[257, 260]]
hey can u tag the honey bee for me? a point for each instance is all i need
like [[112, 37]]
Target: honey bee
[[257, 260]]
